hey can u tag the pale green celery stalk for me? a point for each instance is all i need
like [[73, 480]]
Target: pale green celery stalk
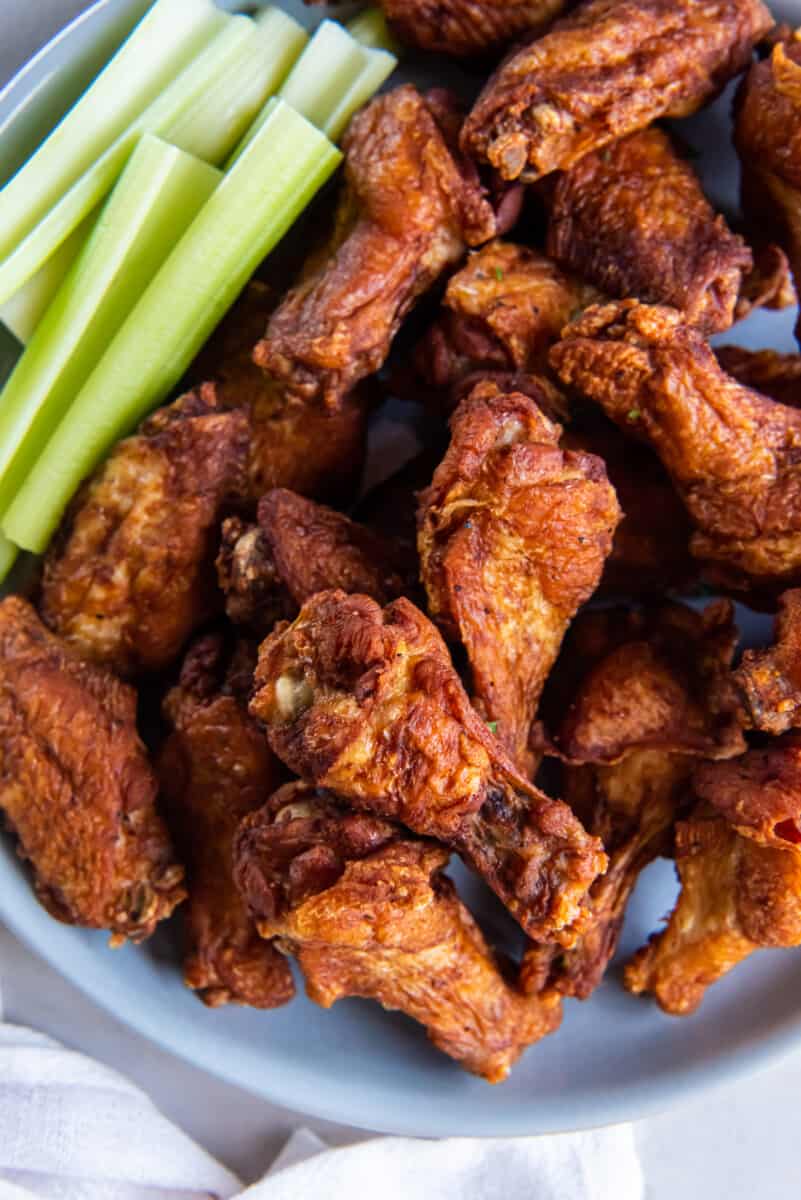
[[325, 71], [370, 28], [157, 197], [171, 34], [378, 67], [204, 111], [8, 556], [23, 312], [268, 187]]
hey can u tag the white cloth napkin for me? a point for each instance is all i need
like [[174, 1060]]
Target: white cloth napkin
[[73, 1129]]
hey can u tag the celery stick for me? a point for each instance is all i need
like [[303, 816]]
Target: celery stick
[[164, 41], [157, 197], [270, 184], [204, 111], [378, 67], [23, 312], [327, 68], [370, 28], [8, 556]]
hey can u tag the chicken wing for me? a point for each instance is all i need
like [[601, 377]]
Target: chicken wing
[[368, 912], [368, 703], [130, 574], [769, 681], [465, 28], [739, 862], [77, 788], [732, 453], [632, 220], [767, 371], [409, 210], [769, 283], [513, 536], [214, 768], [298, 548], [609, 68]]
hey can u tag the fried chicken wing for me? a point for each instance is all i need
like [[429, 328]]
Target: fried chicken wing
[[739, 862], [409, 210], [215, 767], [732, 453], [77, 788], [464, 28], [609, 68], [769, 681], [767, 371], [632, 220], [367, 703], [130, 574], [368, 912], [769, 283], [298, 548], [513, 536]]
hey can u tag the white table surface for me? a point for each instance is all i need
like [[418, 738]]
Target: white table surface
[[740, 1142]]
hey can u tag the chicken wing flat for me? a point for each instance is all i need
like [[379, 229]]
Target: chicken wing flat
[[298, 548], [769, 681], [767, 371], [632, 220], [513, 536], [368, 912], [215, 767], [77, 788], [366, 702], [409, 210], [130, 574], [732, 453], [465, 28], [609, 68], [739, 862]]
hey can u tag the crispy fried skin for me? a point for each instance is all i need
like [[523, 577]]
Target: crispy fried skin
[[769, 283], [130, 574], [464, 28], [732, 453], [368, 703], [408, 211], [294, 443], [609, 68], [513, 536], [368, 912], [632, 220], [77, 787], [769, 681], [739, 861], [214, 768], [298, 548], [768, 371]]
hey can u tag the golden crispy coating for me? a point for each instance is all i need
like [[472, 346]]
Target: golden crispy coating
[[294, 443], [77, 787], [467, 27], [769, 681], [408, 211], [768, 371], [769, 283], [608, 69], [732, 453], [130, 574], [632, 219], [368, 703], [368, 912], [513, 536], [214, 768], [298, 548]]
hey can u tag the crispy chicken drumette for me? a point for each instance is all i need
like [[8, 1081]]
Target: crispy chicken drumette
[[465, 28]]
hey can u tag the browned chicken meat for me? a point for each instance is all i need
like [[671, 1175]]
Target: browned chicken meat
[[410, 208], [130, 574], [298, 548], [367, 703], [732, 453], [609, 68], [513, 536], [368, 912], [77, 788], [632, 220], [769, 681], [738, 858], [768, 371], [215, 768], [464, 28]]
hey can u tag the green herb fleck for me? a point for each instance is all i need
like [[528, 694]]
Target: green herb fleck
[[492, 726], [633, 414], [498, 274]]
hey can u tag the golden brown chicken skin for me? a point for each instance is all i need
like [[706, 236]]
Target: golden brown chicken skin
[[298, 548], [632, 220], [368, 912], [513, 536], [769, 681], [767, 371], [465, 28], [77, 787], [366, 702], [738, 858], [130, 575], [409, 210], [215, 767], [769, 283], [733, 454], [609, 68]]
